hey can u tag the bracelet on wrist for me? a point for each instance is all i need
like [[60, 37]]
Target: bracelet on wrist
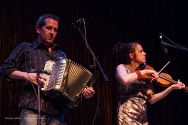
[[139, 74]]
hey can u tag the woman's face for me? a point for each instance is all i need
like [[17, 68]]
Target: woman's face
[[139, 54]]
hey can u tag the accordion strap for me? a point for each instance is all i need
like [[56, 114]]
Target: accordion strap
[[61, 54]]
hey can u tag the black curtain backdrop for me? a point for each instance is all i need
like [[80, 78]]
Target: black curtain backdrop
[[107, 22]]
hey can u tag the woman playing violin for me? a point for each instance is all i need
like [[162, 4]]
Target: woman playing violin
[[134, 91]]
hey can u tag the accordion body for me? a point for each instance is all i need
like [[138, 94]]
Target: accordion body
[[66, 77]]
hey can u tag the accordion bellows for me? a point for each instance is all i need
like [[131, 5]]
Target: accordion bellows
[[67, 77]]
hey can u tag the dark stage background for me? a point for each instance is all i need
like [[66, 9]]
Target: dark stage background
[[107, 22]]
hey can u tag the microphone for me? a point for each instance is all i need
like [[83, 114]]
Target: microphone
[[164, 49], [78, 22]]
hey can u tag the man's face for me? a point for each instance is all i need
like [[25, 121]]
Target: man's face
[[48, 32]]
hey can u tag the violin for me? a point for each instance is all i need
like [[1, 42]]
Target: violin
[[164, 79]]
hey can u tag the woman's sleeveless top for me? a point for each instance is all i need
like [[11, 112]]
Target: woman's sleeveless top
[[132, 105]]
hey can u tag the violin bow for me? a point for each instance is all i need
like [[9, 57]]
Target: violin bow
[[171, 80], [163, 67]]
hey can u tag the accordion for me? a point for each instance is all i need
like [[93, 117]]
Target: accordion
[[66, 77]]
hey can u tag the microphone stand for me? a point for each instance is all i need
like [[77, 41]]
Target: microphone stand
[[96, 62], [38, 99], [38, 94], [92, 53]]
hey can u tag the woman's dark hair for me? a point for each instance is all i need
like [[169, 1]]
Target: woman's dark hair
[[122, 50], [41, 20]]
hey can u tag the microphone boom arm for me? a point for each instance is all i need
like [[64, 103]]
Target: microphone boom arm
[[174, 46]]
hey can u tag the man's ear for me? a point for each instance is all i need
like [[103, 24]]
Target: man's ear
[[37, 29]]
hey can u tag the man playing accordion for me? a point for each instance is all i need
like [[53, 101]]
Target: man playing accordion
[[25, 61]]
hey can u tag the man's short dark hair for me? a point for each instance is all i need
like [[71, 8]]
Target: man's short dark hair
[[41, 20]]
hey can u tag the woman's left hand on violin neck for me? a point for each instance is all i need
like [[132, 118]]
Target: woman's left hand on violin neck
[[178, 85]]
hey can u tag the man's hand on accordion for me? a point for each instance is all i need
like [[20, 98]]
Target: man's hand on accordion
[[32, 77], [88, 92]]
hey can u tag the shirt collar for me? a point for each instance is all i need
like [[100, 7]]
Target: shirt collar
[[40, 44]]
